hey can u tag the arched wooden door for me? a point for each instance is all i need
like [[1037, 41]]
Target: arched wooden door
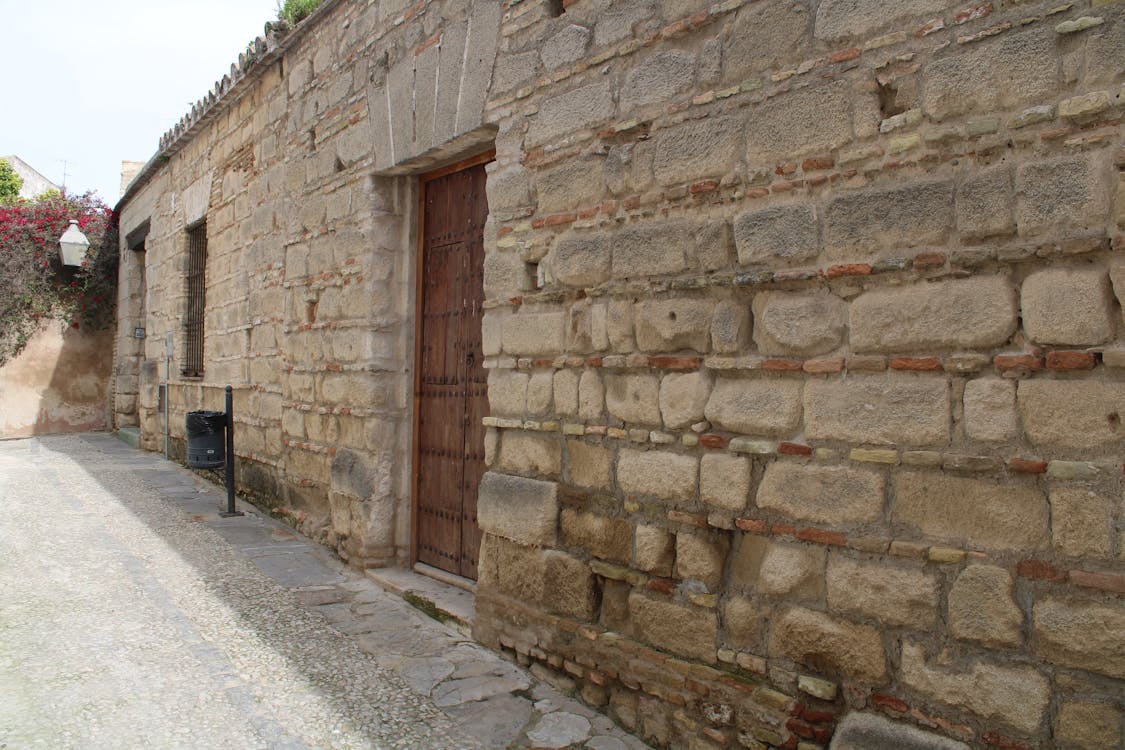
[[451, 390]]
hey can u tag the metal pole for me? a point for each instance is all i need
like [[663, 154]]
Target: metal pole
[[167, 398], [230, 456]]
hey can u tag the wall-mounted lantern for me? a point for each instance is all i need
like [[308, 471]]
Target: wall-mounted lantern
[[73, 245]]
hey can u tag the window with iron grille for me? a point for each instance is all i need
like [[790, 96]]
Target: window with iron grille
[[196, 298]]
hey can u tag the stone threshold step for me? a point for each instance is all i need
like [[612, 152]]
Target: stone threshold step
[[443, 596]]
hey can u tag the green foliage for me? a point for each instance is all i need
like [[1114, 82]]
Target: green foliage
[[10, 183], [35, 286], [294, 11]]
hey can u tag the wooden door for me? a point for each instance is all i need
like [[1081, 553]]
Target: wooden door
[[452, 385]]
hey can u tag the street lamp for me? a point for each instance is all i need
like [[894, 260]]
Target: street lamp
[[73, 245]]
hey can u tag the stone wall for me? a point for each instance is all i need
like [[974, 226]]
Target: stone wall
[[804, 332], [815, 405]]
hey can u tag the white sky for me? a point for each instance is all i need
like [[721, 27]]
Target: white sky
[[96, 83]]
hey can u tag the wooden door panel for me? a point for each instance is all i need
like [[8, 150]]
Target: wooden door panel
[[452, 382]]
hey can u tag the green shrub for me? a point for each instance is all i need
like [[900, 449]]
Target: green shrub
[[294, 11], [10, 182]]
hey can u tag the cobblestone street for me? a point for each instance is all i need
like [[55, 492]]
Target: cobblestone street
[[133, 616]]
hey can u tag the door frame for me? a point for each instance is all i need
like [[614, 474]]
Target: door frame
[[420, 264]]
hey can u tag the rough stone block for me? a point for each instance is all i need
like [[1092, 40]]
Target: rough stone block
[[657, 78], [982, 607], [564, 47], [573, 110], [837, 20], [634, 399], [724, 481], [515, 570], [730, 327], [591, 396], [1014, 695], [990, 410], [1088, 726], [529, 453], [804, 121], [984, 205], [683, 397], [755, 407], [540, 393], [1068, 306], [829, 644], [603, 537], [878, 409], [892, 595], [743, 622], [1080, 633], [701, 557], [507, 393], [574, 184], [698, 148], [770, 567], [977, 512], [793, 323], [787, 233], [670, 476], [765, 36], [1081, 522], [565, 386], [651, 249], [822, 494], [535, 334], [570, 588], [522, 510], [1010, 71], [589, 465], [654, 550], [863, 731], [672, 324], [859, 224], [1072, 414], [509, 189], [682, 629], [619, 325], [1058, 194]]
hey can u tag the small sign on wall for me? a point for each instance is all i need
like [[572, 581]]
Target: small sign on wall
[[138, 333]]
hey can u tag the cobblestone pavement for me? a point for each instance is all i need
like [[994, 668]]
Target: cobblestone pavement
[[133, 616]]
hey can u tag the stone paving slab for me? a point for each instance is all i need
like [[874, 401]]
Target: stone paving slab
[[138, 617]]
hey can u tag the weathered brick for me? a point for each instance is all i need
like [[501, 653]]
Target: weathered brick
[[581, 260], [697, 148], [858, 224], [1068, 306], [670, 476], [826, 643], [801, 122], [822, 494], [682, 629], [982, 606], [1081, 522], [724, 481], [1072, 414], [1080, 633], [976, 312], [798, 324], [770, 567], [1061, 194], [787, 233], [979, 512], [522, 510], [634, 398], [1014, 695], [755, 407], [1010, 71], [672, 324], [893, 595], [990, 409], [899, 410]]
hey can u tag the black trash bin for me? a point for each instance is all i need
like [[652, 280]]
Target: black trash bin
[[205, 443]]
